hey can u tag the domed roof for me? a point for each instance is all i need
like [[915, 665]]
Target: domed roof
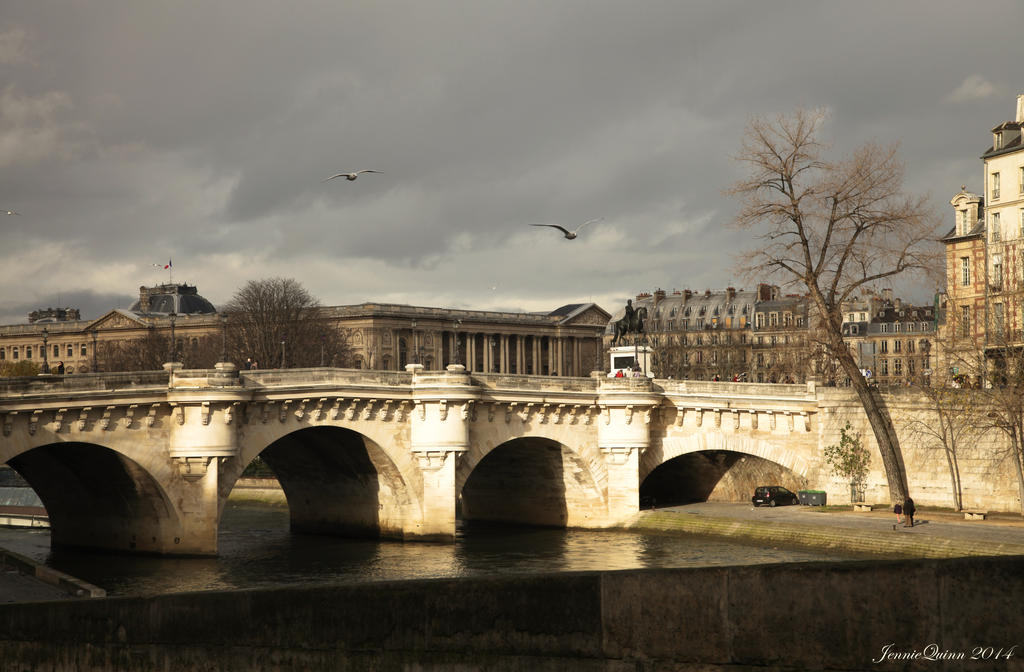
[[166, 299]]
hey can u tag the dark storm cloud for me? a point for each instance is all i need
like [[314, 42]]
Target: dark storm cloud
[[130, 132]]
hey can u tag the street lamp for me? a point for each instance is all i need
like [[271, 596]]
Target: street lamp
[[282, 351], [224, 337], [46, 361], [94, 351], [322, 339], [490, 342]]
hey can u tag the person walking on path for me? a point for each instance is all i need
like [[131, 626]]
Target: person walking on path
[[898, 510], [908, 511]]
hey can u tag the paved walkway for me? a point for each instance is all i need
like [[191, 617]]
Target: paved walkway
[[873, 532]]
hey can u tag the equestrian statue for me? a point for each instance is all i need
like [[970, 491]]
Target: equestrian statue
[[631, 323]]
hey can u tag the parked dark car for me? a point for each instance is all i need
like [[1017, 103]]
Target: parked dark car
[[773, 495]]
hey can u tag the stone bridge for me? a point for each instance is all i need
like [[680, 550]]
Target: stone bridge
[[145, 461]]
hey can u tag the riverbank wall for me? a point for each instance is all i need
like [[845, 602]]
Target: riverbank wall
[[877, 615]]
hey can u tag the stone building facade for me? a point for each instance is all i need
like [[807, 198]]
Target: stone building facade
[[985, 259], [566, 341]]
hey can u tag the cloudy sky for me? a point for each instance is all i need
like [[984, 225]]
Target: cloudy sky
[[136, 132]]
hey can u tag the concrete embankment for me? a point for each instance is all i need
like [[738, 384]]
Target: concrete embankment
[[873, 536], [821, 616]]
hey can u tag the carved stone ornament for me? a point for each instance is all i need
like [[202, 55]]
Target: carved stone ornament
[[385, 408], [680, 416], [735, 419], [510, 410], [544, 411], [129, 416], [336, 408], [807, 420], [179, 414], [699, 416], [607, 415], [193, 468], [616, 455], [442, 410], [83, 417], [229, 412], [590, 414], [350, 412], [753, 419], [151, 416], [629, 414], [430, 460], [282, 413], [105, 419], [58, 419], [33, 421], [9, 422], [204, 412], [403, 408], [368, 409], [300, 412]]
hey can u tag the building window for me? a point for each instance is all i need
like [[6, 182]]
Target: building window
[[885, 367], [997, 319], [897, 346], [1020, 179], [759, 320], [3, 353], [996, 234], [910, 346], [897, 367], [1021, 223], [28, 352], [910, 366], [911, 326], [965, 320], [71, 350], [885, 328], [84, 350], [997, 271], [14, 352], [56, 351], [995, 186], [965, 271], [885, 347], [684, 324], [997, 141], [896, 327]]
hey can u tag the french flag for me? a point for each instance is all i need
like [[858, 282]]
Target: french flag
[[164, 266]]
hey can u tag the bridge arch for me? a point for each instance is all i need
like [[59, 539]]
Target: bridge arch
[[97, 497], [533, 480], [336, 480], [717, 466]]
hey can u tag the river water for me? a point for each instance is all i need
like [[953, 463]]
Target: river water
[[257, 550]]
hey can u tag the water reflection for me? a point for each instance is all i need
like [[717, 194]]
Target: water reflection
[[257, 550]]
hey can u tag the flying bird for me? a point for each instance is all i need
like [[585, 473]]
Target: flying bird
[[350, 176], [569, 235], [11, 212]]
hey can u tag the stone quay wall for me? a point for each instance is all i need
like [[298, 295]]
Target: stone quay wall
[[877, 615]]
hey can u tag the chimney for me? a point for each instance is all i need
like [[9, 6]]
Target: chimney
[[731, 292], [707, 293], [686, 295], [887, 295], [897, 303], [659, 294], [1020, 108], [143, 299]]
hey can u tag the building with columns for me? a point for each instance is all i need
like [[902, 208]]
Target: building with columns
[[387, 337], [563, 342]]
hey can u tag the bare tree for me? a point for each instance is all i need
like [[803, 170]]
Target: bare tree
[[955, 422], [831, 228], [277, 323]]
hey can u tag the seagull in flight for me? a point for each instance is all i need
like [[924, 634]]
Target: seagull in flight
[[350, 176], [10, 212], [569, 235]]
